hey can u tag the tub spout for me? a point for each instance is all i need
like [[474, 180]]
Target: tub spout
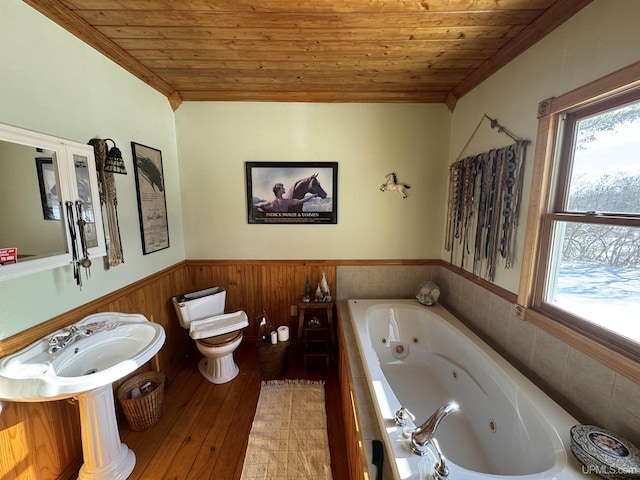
[[421, 437]]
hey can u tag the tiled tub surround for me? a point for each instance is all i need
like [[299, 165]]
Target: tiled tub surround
[[382, 281], [590, 391]]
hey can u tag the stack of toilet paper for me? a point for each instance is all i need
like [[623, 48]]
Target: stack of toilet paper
[[280, 335]]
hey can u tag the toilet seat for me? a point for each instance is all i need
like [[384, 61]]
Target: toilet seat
[[220, 340]]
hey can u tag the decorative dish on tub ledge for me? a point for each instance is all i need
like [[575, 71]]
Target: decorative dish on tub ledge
[[428, 293], [605, 454]]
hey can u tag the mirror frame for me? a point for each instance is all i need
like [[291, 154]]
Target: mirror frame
[[68, 191]]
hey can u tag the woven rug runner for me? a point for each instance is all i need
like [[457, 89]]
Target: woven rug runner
[[288, 438]]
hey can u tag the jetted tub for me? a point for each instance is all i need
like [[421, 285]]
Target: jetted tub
[[423, 357]]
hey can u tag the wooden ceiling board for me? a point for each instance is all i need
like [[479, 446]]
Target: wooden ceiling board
[[323, 51]]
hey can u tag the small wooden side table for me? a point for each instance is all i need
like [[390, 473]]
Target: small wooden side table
[[302, 309], [316, 344]]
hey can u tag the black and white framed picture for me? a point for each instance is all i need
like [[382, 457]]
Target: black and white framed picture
[[48, 184], [292, 192], [152, 203]]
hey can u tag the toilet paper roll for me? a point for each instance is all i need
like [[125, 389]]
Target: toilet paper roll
[[274, 338], [283, 333]]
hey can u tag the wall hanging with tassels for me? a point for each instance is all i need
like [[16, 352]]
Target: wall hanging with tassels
[[109, 204], [484, 204]]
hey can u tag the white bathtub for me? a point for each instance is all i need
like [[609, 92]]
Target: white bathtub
[[506, 428]]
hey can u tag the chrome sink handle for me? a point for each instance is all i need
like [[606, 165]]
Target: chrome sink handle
[[103, 325], [60, 340], [56, 341]]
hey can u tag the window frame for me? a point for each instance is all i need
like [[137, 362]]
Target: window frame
[[546, 206]]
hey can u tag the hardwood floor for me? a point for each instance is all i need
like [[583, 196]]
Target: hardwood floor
[[204, 428]]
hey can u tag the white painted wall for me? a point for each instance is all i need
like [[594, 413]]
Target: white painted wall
[[367, 140], [53, 83], [599, 40]]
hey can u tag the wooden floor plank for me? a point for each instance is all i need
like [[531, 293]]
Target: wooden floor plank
[[164, 454], [194, 441], [204, 429], [146, 444], [183, 384], [219, 427], [235, 441], [188, 428]]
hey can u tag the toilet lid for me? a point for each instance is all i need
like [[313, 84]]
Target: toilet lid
[[218, 325]]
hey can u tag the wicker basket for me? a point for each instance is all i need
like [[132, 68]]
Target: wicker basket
[[272, 359], [142, 412]]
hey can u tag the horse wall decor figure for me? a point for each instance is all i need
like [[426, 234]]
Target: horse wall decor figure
[[302, 187], [392, 184]]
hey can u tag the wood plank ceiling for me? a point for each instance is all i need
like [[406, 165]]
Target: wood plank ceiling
[[430, 51]]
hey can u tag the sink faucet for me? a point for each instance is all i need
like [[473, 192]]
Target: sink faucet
[[422, 436], [67, 337]]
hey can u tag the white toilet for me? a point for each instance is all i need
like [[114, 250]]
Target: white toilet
[[217, 334]]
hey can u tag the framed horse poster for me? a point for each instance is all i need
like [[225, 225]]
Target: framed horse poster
[[292, 192]]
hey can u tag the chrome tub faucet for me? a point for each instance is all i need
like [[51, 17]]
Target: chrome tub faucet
[[440, 469], [401, 416], [422, 436]]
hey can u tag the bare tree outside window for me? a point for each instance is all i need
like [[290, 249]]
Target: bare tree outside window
[[595, 268]]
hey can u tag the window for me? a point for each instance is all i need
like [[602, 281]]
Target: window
[[586, 269]]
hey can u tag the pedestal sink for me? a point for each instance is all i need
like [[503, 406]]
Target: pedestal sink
[[105, 348]]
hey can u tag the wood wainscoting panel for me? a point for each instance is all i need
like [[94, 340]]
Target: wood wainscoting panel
[[150, 296], [42, 441], [39, 441], [272, 285]]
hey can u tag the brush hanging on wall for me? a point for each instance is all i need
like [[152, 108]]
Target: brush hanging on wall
[[484, 204], [109, 204]]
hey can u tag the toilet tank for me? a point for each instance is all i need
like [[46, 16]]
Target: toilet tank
[[199, 305]]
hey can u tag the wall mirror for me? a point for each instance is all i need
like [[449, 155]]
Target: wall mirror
[[46, 185]]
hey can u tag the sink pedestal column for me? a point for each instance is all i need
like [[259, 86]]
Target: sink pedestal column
[[105, 456]]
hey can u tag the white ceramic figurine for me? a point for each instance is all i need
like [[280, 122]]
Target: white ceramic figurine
[[392, 184]]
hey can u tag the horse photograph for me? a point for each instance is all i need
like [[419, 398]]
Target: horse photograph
[[291, 192]]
